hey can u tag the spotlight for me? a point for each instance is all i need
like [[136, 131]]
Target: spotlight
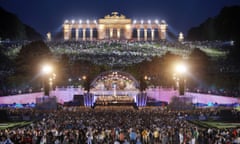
[[66, 21], [134, 21], [149, 21]]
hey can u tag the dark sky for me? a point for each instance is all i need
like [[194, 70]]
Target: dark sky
[[48, 15]]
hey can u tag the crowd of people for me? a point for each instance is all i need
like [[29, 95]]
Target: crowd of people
[[128, 52], [117, 125], [121, 52]]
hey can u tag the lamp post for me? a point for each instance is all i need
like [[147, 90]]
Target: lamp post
[[181, 70], [69, 82], [147, 80], [84, 82], [46, 71]]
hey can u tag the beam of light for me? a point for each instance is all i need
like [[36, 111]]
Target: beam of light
[[57, 30], [172, 30], [173, 33]]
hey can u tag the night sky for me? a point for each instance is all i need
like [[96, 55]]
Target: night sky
[[48, 15]]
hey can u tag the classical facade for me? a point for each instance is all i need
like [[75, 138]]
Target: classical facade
[[114, 26]]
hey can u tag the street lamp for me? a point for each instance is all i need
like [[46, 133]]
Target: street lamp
[[84, 77], [146, 78], [85, 83], [181, 70], [70, 82]]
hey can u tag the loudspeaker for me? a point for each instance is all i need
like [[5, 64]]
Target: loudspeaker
[[78, 99]]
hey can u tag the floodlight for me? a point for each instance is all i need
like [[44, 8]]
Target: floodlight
[[134, 21], [46, 69], [149, 21], [181, 68], [163, 21], [66, 21]]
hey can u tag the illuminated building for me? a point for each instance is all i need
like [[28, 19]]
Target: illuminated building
[[114, 26]]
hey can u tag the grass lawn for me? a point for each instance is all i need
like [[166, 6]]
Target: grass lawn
[[214, 52], [214, 124], [13, 124]]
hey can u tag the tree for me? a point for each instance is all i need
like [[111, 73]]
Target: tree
[[29, 61], [6, 69], [168, 64], [199, 66]]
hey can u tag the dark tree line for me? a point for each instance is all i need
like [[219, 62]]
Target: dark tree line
[[6, 69]]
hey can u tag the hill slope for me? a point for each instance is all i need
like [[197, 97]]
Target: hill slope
[[225, 26], [12, 28]]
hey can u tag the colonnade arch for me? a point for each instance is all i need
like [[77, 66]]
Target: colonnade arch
[[114, 26]]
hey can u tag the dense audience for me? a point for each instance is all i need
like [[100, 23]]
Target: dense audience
[[117, 125], [121, 52]]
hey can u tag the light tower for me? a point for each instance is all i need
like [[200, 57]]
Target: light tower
[[181, 70], [46, 71]]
